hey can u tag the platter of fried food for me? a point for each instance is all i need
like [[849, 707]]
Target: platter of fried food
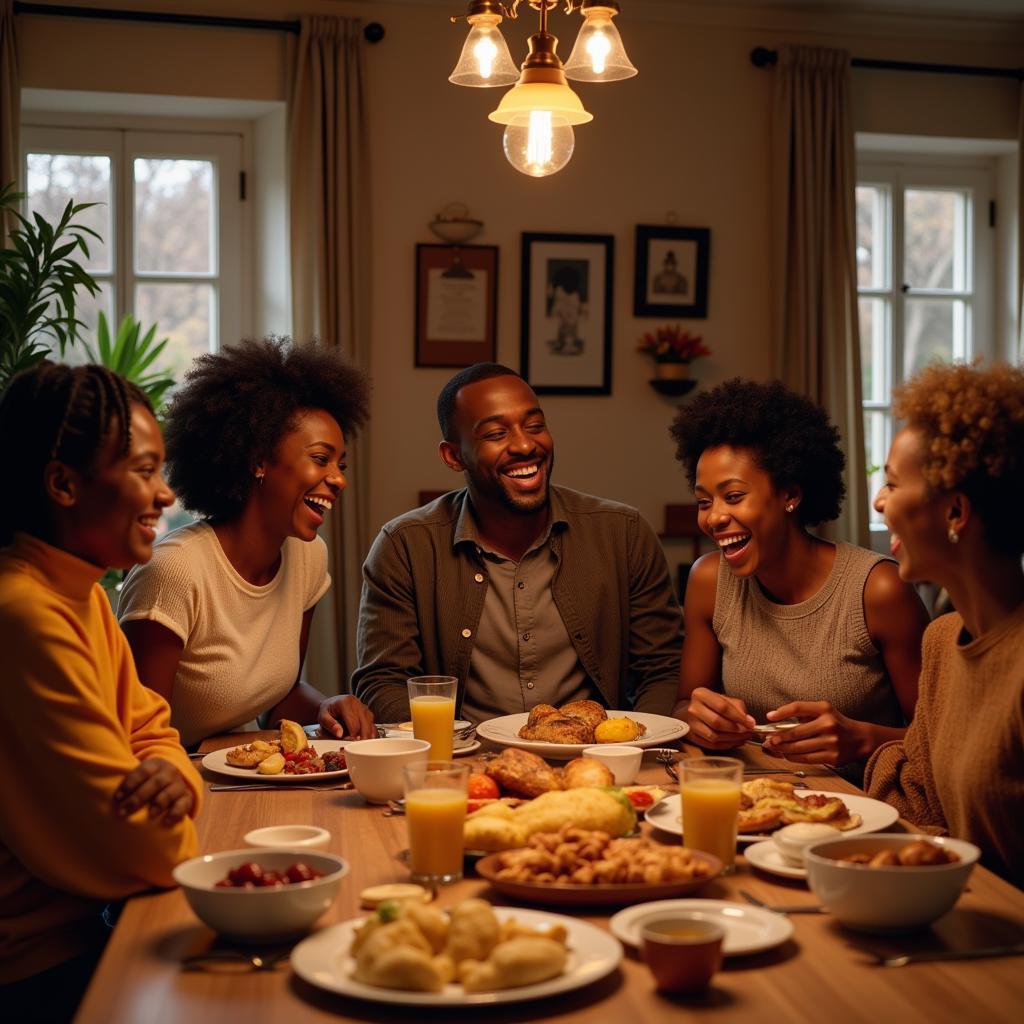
[[767, 804], [288, 758], [562, 733], [588, 868], [417, 954]]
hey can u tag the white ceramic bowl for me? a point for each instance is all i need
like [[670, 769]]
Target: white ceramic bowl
[[259, 915], [792, 840], [375, 766], [624, 761], [308, 837], [888, 899]]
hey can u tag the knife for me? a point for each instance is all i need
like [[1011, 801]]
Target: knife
[[951, 954]]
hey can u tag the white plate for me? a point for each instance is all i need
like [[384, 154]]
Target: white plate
[[766, 856], [504, 731], [876, 816], [323, 961], [470, 748], [747, 929], [216, 762]]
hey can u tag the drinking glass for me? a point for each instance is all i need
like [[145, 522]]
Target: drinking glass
[[435, 810], [709, 788], [432, 703]]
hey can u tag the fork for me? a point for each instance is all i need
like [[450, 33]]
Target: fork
[[799, 908], [264, 962], [946, 954], [219, 787]]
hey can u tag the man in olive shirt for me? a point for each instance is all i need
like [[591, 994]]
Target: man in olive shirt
[[526, 592]]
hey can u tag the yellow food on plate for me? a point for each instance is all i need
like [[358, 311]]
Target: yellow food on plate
[[491, 833], [373, 896], [767, 804], [272, 765], [524, 961], [293, 737], [250, 755], [619, 730]]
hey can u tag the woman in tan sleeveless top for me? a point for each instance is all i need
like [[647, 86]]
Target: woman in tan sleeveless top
[[782, 624]]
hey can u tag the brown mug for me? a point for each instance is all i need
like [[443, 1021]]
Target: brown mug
[[682, 950]]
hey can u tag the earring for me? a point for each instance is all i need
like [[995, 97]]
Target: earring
[[954, 537], [790, 507], [259, 477]]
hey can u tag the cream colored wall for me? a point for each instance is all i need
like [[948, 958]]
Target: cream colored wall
[[689, 134]]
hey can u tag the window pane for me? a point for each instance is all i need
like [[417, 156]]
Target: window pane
[[174, 216], [876, 450], [185, 314], [87, 308], [871, 236], [934, 329], [55, 178], [933, 241], [874, 348]]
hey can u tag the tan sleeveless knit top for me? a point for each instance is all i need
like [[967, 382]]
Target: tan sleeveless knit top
[[819, 649]]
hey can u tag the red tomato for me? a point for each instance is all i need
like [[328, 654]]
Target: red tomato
[[482, 787], [640, 800]]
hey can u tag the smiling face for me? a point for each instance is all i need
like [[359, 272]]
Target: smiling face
[[915, 516], [109, 516], [305, 478], [501, 440], [739, 508]]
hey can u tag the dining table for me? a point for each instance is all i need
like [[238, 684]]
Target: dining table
[[824, 972]]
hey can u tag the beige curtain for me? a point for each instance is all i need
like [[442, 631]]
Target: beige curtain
[[816, 348], [10, 101], [329, 184]]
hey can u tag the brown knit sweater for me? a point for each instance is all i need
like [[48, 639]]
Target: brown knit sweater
[[960, 767]]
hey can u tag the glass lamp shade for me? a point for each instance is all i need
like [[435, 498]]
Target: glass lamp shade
[[599, 55], [521, 100], [539, 144], [485, 61]]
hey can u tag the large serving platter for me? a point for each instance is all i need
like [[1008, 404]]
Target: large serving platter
[[505, 732], [216, 763]]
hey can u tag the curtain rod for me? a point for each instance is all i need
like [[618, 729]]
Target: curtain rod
[[373, 32], [762, 57]]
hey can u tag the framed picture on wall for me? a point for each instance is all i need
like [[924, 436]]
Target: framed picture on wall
[[671, 271], [566, 319], [456, 304]]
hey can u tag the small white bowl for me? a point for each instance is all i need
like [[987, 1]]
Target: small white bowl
[[886, 899], [792, 840], [624, 761], [259, 915], [308, 837], [375, 766]]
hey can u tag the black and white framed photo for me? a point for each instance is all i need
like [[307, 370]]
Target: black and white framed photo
[[671, 271], [567, 313]]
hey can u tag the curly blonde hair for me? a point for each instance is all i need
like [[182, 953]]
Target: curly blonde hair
[[971, 422]]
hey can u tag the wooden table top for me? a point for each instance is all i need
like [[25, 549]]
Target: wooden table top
[[822, 973]]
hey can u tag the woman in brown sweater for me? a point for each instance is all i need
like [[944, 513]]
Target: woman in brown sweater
[[952, 501]]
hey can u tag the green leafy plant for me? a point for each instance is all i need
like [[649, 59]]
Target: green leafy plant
[[39, 278], [131, 354]]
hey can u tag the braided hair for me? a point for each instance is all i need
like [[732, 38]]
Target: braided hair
[[55, 411]]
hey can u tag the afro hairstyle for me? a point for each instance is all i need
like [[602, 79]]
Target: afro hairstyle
[[791, 437], [236, 406]]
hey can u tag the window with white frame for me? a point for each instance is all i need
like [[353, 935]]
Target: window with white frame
[[925, 280]]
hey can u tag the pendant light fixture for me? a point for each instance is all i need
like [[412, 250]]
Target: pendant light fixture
[[540, 111]]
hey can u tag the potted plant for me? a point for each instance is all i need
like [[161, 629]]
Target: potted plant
[[132, 356], [673, 349]]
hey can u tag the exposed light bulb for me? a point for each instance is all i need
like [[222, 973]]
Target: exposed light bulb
[[598, 47], [485, 60], [540, 146], [485, 52]]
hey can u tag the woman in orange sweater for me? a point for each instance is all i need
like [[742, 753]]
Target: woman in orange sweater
[[98, 794], [954, 488]]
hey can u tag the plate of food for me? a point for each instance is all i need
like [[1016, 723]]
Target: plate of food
[[537, 954], [562, 733], [288, 758], [592, 869], [747, 929], [768, 804]]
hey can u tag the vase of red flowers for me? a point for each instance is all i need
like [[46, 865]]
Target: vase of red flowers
[[673, 349]]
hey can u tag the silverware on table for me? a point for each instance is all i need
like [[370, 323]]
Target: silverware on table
[[797, 908], [466, 732], [799, 773], [947, 954], [256, 961], [395, 808], [219, 787]]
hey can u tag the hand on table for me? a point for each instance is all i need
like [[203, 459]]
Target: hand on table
[[718, 722], [824, 735], [158, 784], [346, 715]]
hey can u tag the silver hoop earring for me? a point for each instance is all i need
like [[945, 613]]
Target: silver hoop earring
[[954, 537]]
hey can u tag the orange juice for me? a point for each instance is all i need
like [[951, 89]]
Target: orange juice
[[710, 808], [433, 720], [435, 818]]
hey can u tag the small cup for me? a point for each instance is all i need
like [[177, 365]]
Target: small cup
[[308, 837], [682, 950], [793, 840], [375, 766], [624, 761]]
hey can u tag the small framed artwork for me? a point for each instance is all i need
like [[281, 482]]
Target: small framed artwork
[[566, 319], [456, 304], [671, 271]]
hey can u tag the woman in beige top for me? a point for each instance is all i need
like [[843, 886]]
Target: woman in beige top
[[782, 624], [954, 488]]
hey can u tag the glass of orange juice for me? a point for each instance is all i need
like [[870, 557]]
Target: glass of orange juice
[[435, 810], [709, 788], [432, 703]]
